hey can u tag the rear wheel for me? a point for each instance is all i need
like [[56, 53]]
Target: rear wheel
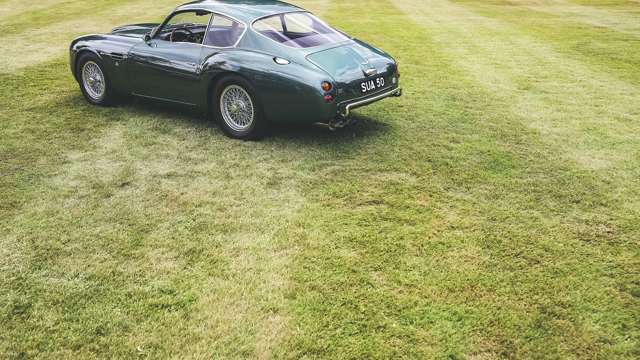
[[94, 81], [237, 110]]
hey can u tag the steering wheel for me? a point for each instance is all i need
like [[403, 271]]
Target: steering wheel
[[190, 34]]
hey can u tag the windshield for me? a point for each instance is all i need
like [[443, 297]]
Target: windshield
[[299, 30]]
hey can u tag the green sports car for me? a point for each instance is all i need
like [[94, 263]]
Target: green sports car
[[247, 63]]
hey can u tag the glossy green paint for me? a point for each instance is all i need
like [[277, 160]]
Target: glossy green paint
[[186, 73]]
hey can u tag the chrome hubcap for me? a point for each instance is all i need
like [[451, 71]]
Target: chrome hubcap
[[93, 80], [236, 107]]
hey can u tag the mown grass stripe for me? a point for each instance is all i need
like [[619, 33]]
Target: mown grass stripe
[[618, 18], [610, 50], [44, 17], [11, 8], [607, 3], [411, 258], [503, 58], [548, 91]]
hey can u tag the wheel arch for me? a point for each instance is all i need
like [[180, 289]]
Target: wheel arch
[[214, 81], [79, 53]]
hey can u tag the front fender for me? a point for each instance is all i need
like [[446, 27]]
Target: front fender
[[81, 44], [112, 50], [288, 93]]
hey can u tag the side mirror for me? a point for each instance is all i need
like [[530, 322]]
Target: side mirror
[[147, 38]]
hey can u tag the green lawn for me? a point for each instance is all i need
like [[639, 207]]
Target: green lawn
[[492, 212]]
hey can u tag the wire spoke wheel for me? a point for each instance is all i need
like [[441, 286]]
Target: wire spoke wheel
[[93, 80], [237, 108]]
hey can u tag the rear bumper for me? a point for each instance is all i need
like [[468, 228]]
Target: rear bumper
[[344, 108]]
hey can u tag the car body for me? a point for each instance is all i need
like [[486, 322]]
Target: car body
[[293, 66]]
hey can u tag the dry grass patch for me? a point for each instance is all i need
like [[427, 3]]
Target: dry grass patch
[[52, 41], [11, 8]]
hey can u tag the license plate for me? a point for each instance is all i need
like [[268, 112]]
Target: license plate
[[372, 85]]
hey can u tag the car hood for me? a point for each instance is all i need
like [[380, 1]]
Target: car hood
[[135, 30], [352, 61]]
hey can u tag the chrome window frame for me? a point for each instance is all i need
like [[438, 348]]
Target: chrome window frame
[[303, 12], [171, 16]]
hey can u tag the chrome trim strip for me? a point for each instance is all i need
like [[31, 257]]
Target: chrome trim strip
[[370, 72], [366, 101], [163, 99]]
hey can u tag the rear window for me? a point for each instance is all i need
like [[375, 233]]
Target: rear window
[[299, 30]]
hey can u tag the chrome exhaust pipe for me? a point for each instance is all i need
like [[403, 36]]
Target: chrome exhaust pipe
[[341, 123], [337, 123]]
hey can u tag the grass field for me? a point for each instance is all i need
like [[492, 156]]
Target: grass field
[[492, 212]]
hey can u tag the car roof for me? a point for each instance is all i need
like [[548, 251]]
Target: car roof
[[244, 10]]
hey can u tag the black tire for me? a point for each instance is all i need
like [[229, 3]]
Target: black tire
[[256, 129], [106, 97]]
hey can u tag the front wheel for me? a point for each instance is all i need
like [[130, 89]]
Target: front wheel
[[238, 112], [94, 81]]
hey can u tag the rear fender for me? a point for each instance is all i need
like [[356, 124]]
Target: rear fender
[[288, 93]]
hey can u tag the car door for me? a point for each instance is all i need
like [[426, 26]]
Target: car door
[[168, 68]]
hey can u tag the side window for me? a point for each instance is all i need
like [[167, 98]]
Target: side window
[[223, 32], [188, 26]]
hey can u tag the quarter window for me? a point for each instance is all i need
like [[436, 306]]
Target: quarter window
[[273, 23], [223, 32], [298, 29], [299, 23]]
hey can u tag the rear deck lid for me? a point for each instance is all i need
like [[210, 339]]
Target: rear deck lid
[[352, 61]]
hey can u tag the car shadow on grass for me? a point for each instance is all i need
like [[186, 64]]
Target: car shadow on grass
[[364, 127]]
